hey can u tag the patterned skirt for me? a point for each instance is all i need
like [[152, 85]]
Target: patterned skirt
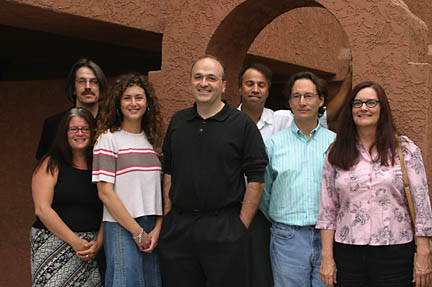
[[54, 262]]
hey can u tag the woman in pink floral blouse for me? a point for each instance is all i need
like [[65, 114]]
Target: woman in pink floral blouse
[[367, 236]]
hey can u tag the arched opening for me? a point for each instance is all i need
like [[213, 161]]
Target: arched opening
[[303, 36], [302, 39]]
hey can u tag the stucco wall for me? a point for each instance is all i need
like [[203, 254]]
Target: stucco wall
[[75, 19], [225, 29], [388, 45], [423, 10], [23, 109], [386, 39], [309, 37], [141, 14]]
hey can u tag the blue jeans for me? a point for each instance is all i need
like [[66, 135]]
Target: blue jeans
[[295, 253], [126, 265]]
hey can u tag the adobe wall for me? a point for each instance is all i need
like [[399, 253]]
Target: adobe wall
[[129, 24], [141, 14], [20, 127], [309, 37], [230, 41], [423, 10], [388, 45]]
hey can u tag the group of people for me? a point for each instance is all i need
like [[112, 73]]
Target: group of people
[[228, 196]]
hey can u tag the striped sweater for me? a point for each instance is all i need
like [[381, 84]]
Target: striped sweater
[[129, 162]]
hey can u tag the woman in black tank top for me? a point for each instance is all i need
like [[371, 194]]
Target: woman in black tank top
[[65, 237]]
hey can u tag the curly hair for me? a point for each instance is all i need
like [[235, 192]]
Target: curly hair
[[111, 116]]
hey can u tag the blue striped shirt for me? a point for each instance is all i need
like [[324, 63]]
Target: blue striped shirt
[[293, 175]]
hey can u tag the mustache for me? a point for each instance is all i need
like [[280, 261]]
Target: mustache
[[87, 92]]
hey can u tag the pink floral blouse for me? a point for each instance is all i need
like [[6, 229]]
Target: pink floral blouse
[[366, 205]]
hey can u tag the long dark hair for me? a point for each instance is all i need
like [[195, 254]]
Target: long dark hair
[[70, 80], [60, 153], [112, 117], [344, 153]]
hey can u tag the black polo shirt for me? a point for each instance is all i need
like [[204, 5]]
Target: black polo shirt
[[207, 159]]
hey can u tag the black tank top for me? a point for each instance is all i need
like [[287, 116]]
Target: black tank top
[[76, 200]]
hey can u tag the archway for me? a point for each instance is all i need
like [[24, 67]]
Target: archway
[[233, 37], [306, 38], [388, 45]]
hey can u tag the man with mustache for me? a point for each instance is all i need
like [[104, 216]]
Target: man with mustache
[[208, 149], [293, 185], [85, 86]]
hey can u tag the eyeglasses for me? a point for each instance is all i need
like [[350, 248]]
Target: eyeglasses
[[74, 130], [83, 82], [307, 97], [210, 78], [371, 103]]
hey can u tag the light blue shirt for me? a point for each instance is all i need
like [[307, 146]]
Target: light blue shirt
[[293, 175]]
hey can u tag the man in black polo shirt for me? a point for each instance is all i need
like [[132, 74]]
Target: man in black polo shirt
[[207, 150]]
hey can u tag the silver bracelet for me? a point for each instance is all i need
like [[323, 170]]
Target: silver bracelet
[[139, 236]]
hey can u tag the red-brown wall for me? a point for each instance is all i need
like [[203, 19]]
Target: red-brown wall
[[24, 105], [387, 42], [310, 37]]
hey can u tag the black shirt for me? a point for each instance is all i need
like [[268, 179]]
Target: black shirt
[[207, 159], [49, 132], [76, 200]]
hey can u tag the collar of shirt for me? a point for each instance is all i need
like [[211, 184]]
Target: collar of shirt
[[301, 135], [365, 153], [220, 116], [266, 118]]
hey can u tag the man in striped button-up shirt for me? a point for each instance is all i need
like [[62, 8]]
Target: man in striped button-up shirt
[[293, 184]]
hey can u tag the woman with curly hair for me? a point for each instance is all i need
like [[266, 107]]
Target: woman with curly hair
[[366, 229], [128, 176]]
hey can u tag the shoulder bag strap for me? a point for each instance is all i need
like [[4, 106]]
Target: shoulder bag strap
[[406, 183]]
